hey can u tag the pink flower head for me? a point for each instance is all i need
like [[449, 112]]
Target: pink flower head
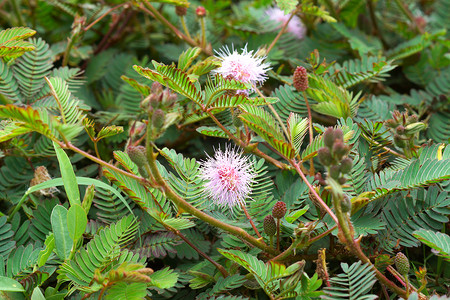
[[295, 26], [245, 67], [228, 177]]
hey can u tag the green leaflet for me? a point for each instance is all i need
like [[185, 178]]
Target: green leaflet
[[68, 176], [63, 241], [436, 240]]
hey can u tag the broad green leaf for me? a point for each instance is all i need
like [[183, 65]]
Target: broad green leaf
[[63, 242], [68, 176], [10, 285], [80, 181], [45, 254], [76, 221]]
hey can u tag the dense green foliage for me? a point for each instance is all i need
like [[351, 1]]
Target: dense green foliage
[[110, 112]]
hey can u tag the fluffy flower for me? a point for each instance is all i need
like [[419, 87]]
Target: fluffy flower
[[246, 67], [295, 26], [227, 178]]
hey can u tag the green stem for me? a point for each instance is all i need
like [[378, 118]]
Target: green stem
[[278, 235], [148, 8], [311, 136], [183, 24], [203, 30], [275, 113], [356, 249], [17, 12], [67, 51]]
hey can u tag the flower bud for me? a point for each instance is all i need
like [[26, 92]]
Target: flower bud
[[279, 210], [157, 88], [158, 119], [391, 123], [237, 122], [402, 263], [400, 129], [324, 155], [342, 180], [328, 137], [270, 227], [200, 12], [300, 79], [415, 128], [334, 172], [180, 10], [338, 134], [346, 165], [138, 155], [412, 119], [340, 149]]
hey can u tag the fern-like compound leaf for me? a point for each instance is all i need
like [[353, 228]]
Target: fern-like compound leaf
[[102, 253], [172, 78], [353, 284], [31, 68], [440, 242], [12, 44]]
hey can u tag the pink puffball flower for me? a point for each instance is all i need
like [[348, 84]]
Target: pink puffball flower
[[245, 67], [295, 26], [228, 177]]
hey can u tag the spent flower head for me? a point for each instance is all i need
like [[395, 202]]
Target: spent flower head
[[295, 26], [246, 67], [228, 177]]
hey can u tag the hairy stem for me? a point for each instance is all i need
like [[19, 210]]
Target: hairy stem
[[311, 188], [356, 249], [200, 252], [148, 8], [252, 149], [250, 219], [282, 30], [183, 24], [203, 31], [275, 113], [104, 163], [104, 15]]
